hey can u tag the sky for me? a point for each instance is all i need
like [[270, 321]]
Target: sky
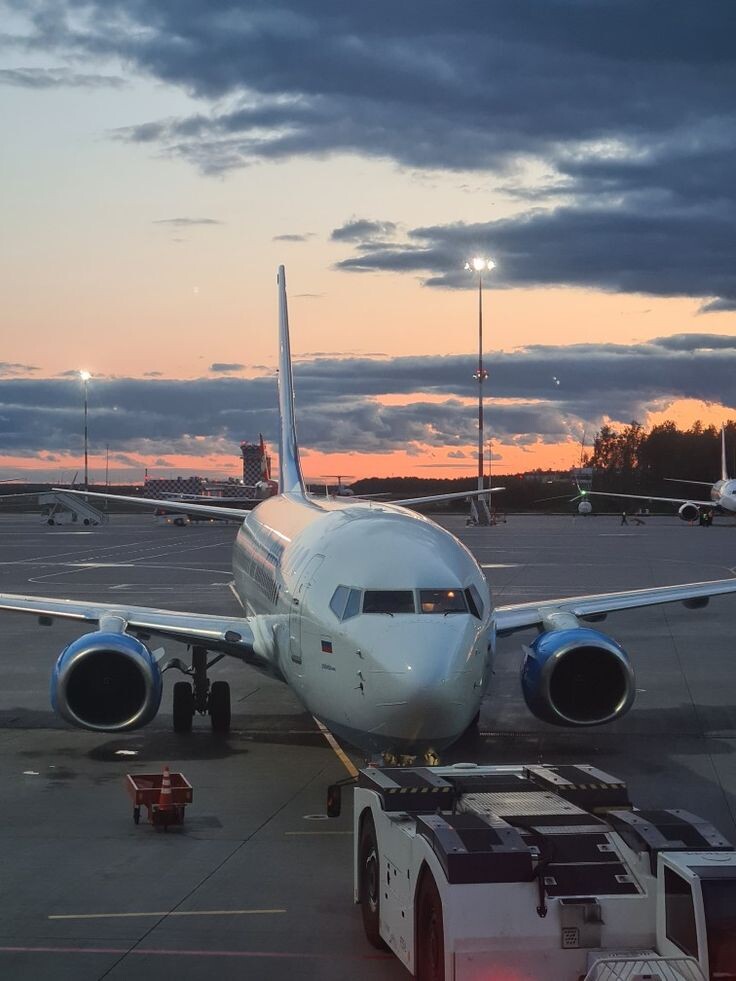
[[161, 158]]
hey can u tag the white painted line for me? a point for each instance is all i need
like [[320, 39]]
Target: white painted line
[[295, 834], [100, 565], [176, 912], [231, 587], [499, 565]]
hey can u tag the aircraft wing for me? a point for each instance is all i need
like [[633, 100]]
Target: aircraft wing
[[694, 595], [183, 507], [446, 497], [650, 497], [230, 635], [700, 483]]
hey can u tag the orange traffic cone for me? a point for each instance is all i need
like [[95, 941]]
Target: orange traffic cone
[[164, 798]]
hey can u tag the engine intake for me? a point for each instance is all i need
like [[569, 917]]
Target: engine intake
[[689, 511], [107, 682], [577, 677]]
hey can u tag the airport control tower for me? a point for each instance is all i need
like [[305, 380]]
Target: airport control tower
[[256, 462]]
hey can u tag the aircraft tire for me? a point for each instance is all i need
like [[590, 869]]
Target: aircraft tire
[[429, 931], [369, 883], [220, 706], [183, 706]]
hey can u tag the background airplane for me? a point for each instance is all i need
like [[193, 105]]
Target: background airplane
[[722, 493], [380, 620]]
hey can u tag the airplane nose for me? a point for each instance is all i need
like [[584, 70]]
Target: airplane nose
[[427, 694]]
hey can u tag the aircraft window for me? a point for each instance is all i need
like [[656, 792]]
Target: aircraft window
[[352, 608], [442, 601], [719, 900], [388, 601], [680, 913], [338, 601], [345, 602], [475, 603]]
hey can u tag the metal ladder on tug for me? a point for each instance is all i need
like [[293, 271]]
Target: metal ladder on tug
[[640, 968], [70, 509]]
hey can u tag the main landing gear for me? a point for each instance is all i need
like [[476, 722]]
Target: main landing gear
[[199, 696]]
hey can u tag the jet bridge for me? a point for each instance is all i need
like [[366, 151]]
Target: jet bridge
[[60, 508]]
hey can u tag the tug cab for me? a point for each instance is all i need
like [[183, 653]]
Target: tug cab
[[539, 873], [696, 913]]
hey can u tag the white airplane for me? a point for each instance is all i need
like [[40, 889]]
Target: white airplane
[[722, 493], [380, 621]]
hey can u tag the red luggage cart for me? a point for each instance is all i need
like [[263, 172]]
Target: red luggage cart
[[145, 791]]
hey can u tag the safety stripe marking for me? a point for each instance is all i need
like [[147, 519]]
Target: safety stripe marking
[[337, 749]]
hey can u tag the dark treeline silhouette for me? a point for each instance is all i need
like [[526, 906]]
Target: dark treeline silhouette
[[628, 460], [644, 459]]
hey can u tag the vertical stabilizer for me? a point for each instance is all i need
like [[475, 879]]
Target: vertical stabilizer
[[290, 471], [724, 469]]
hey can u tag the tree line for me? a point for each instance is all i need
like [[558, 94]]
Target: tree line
[[630, 459], [645, 458]]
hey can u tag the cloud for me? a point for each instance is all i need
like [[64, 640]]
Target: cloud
[[626, 130], [152, 374], [619, 250], [719, 305], [360, 229], [339, 406], [54, 78], [9, 369], [226, 366], [293, 237], [187, 222]]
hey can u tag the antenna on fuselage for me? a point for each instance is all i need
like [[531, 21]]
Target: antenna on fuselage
[[291, 480]]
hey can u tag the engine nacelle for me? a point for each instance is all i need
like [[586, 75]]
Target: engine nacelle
[[107, 682], [577, 677], [689, 512]]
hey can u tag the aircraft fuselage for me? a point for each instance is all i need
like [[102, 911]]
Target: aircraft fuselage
[[382, 680], [723, 493]]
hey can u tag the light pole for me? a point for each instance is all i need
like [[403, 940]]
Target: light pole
[[480, 265], [85, 376]]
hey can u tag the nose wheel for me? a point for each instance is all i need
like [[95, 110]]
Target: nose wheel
[[199, 696]]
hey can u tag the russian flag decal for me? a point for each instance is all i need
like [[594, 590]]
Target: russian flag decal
[[327, 647]]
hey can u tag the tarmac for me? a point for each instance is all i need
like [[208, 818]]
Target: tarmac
[[258, 882]]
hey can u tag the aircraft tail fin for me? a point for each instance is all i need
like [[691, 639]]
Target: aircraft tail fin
[[291, 480], [724, 468]]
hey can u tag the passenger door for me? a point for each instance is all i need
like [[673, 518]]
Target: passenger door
[[298, 610]]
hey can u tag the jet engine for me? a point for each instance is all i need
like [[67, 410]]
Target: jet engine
[[106, 681], [577, 677], [689, 512]]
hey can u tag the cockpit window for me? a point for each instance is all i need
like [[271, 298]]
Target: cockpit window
[[345, 602], [338, 601], [442, 601], [352, 609], [475, 603], [388, 601]]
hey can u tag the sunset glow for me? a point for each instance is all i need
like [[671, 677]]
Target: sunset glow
[[149, 199]]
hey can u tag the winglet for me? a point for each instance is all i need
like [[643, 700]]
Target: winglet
[[724, 469], [290, 470]]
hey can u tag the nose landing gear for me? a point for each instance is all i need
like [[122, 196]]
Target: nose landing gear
[[199, 696]]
